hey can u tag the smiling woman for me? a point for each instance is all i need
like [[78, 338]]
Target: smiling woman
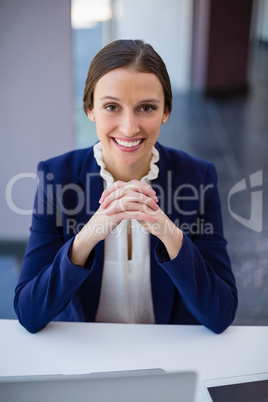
[[128, 109], [126, 258]]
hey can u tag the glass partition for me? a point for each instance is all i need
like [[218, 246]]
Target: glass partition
[[91, 29]]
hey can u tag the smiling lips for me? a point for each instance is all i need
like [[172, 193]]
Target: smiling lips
[[128, 145]]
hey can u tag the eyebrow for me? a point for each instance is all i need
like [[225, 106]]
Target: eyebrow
[[151, 100], [109, 97]]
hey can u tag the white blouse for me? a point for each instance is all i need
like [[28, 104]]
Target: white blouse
[[126, 295]]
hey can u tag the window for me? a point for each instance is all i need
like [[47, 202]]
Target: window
[[92, 25]]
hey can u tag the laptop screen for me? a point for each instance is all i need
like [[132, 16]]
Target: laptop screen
[[138, 387]]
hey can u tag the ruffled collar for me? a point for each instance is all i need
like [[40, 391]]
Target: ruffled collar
[[151, 175]]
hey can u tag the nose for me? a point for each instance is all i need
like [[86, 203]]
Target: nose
[[129, 124]]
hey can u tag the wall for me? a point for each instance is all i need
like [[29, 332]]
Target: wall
[[167, 26], [35, 98]]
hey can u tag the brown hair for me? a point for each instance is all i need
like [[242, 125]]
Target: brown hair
[[126, 54]]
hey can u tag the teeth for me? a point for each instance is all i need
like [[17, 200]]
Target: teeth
[[128, 144]]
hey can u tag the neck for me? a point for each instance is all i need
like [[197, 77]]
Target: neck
[[128, 173]]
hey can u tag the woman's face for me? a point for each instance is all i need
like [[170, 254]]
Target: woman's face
[[129, 110]]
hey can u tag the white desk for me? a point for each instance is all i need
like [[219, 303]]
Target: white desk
[[73, 348]]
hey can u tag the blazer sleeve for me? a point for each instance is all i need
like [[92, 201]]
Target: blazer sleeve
[[48, 279], [202, 270]]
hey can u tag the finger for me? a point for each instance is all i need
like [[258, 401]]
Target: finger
[[132, 203], [134, 185], [118, 184], [124, 192], [119, 197], [125, 202], [117, 194]]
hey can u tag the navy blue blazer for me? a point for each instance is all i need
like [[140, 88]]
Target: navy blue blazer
[[196, 287]]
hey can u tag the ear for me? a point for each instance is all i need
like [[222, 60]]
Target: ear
[[90, 114], [165, 116]]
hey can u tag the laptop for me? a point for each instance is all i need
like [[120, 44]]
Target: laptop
[[131, 386]]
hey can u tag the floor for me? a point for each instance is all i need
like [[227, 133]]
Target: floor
[[233, 134]]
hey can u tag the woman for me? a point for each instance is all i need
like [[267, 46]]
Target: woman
[[127, 230]]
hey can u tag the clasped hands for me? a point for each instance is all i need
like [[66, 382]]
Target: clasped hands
[[127, 200], [130, 200]]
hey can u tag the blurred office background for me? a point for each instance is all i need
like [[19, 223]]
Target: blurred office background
[[217, 56]]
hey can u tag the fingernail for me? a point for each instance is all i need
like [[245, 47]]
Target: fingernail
[[150, 188], [103, 204]]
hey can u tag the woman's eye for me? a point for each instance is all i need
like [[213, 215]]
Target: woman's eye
[[147, 108], [111, 108]]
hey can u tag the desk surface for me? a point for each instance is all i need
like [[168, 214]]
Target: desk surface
[[78, 348]]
